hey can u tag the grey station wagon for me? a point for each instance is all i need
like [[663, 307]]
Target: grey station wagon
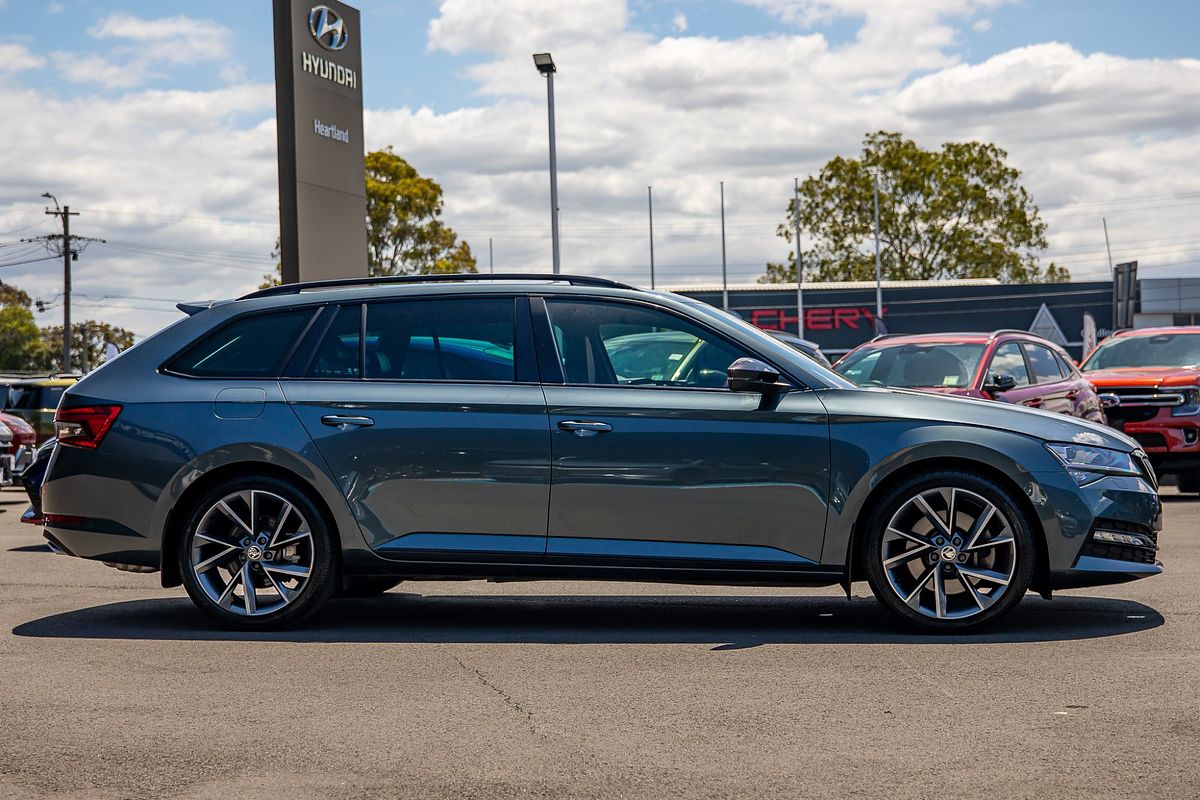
[[331, 438]]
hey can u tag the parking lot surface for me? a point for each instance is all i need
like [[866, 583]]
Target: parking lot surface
[[113, 687]]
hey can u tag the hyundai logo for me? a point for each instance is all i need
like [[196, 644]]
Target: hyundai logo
[[328, 28]]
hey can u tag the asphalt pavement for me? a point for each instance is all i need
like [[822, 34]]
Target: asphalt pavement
[[111, 687]]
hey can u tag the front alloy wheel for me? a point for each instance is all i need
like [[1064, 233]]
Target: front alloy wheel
[[954, 553], [257, 554]]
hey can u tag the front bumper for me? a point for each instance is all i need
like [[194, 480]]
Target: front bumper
[[1172, 443], [1072, 515]]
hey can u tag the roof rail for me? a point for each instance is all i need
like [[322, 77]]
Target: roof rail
[[383, 280]]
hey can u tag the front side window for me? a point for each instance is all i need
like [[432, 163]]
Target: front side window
[[251, 347], [1009, 361], [619, 344], [444, 339], [1045, 365]]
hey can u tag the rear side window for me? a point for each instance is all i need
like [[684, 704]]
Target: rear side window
[[251, 347], [447, 339], [338, 354], [1045, 365]]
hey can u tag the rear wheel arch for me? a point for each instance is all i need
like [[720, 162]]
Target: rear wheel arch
[[176, 518], [854, 567]]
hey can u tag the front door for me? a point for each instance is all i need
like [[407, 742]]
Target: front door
[[655, 459], [432, 423]]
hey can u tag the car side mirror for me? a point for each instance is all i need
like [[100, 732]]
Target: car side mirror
[[752, 375], [1000, 383]]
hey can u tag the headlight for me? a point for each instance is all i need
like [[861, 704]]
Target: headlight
[[1191, 404], [1087, 464]]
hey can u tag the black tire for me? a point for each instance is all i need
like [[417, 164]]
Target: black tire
[[976, 601], [369, 586], [1188, 482], [321, 557]]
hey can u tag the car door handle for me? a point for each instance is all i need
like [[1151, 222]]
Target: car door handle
[[1071, 395], [345, 422], [1034, 403], [583, 427]]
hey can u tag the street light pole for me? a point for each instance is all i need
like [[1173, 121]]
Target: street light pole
[[545, 65], [724, 269], [650, 205], [878, 269], [799, 263]]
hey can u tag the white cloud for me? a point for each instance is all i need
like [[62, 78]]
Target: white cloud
[[144, 48], [170, 40], [55, 7], [981, 25], [679, 22], [18, 58]]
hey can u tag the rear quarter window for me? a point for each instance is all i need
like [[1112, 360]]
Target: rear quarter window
[[255, 346]]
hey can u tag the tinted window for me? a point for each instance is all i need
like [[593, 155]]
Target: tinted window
[[914, 365], [1009, 361], [35, 397], [627, 345], [250, 347], [338, 354], [1045, 365], [441, 340]]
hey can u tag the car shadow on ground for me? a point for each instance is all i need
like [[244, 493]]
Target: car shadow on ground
[[30, 548], [727, 622]]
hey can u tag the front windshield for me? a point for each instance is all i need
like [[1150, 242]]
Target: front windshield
[[1159, 350], [912, 366]]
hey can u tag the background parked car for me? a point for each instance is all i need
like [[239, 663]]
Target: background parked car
[[1010, 366], [34, 400], [1156, 374], [806, 346], [24, 442]]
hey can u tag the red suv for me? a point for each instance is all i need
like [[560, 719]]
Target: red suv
[[1156, 374], [1011, 366]]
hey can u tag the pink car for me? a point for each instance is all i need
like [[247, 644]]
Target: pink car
[[1009, 366]]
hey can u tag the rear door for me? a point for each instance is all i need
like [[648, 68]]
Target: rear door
[[1055, 389], [429, 415]]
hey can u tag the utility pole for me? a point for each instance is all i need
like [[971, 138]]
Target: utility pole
[[66, 213], [491, 257], [1104, 222], [724, 270], [650, 204], [799, 263], [878, 269]]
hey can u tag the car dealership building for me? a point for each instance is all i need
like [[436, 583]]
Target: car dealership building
[[841, 316]]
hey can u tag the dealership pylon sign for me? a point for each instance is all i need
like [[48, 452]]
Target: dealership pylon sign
[[319, 114]]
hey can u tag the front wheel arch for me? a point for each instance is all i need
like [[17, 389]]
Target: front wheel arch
[[854, 556]]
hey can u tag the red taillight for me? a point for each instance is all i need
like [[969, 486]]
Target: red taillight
[[84, 426]]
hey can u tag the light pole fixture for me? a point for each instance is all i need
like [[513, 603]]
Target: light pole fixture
[[545, 66]]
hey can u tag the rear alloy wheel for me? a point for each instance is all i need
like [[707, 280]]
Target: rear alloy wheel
[[949, 552], [257, 554]]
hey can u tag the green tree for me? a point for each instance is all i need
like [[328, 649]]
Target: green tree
[[405, 233], [88, 340], [20, 344], [957, 212]]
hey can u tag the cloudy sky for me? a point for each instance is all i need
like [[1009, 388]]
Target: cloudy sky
[[156, 122]]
